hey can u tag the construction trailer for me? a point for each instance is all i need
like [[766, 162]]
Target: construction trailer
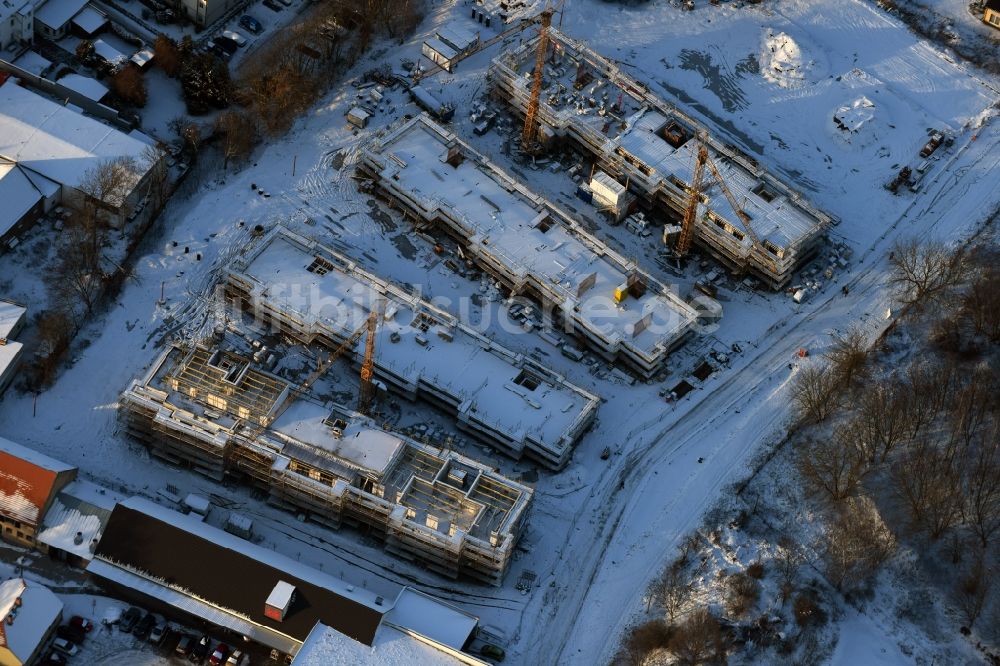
[[639, 139], [507, 400], [217, 411], [531, 247]]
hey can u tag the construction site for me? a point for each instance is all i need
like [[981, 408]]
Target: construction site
[[533, 248], [657, 156], [507, 400], [220, 412]]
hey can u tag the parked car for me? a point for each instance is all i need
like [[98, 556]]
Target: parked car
[[129, 619], [184, 646], [82, 623], [240, 40], [145, 626], [226, 44], [219, 656], [220, 53], [238, 658], [251, 24], [200, 650], [65, 646], [56, 659], [71, 633], [494, 652], [159, 633]]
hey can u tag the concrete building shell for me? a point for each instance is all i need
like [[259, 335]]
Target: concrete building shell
[[643, 141]]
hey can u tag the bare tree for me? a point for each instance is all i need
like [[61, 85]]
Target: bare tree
[[697, 640], [972, 589], [848, 354], [644, 641], [972, 405], [981, 488], [881, 420], [857, 543], [814, 393], [927, 479], [742, 592], [834, 466], [239, 135], [981, 303], [924, 269], [673, 590]]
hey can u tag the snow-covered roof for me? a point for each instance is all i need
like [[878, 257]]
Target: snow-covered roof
[[10, 7], [392, 647], [361, 445], [143, 57], [108, 52], [458, 38], [197, 503], [418, 343], [32, 62], [32, 457], [72, 526], [32, 618], [439, 621], [18, 195], [281, 595], [27, 479], [9, 355], [441, 48], [90, 20], [57, 13], [503, 220], [88, 87], [57, 142]]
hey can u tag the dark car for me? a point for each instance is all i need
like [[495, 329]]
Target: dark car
[[145, 626], [200, 650], [129, 619], [71, 633], [251, 24], [82, 623], [184, 645], [226, 44]]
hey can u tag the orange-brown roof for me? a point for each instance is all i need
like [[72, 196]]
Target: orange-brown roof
[[26, 481]]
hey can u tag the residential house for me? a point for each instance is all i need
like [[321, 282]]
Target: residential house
[[29, 615], [17, 19], [52, 143], [12, 316], [53, 18], [991, 13], [29, 481]]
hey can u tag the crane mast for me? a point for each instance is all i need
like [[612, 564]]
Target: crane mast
[[367, 392], [529, 137], [694, 198]]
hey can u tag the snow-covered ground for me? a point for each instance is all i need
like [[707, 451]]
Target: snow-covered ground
[[599, 530]]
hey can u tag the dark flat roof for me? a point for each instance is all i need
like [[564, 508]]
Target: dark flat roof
[[228, 577]]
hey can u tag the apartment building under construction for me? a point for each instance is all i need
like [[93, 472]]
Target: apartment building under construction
[[530, 246], [218, 411], [650, 146], [505, 399]]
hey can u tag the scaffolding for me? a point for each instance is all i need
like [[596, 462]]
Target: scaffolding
[[437, 507], [640, 139]]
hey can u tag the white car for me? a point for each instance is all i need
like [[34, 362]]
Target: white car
[[240, 40], [65, 646]]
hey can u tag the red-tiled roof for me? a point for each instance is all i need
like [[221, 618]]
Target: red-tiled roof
[[26, 481]]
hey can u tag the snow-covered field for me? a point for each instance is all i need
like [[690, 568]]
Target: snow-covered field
[[599, 530]]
